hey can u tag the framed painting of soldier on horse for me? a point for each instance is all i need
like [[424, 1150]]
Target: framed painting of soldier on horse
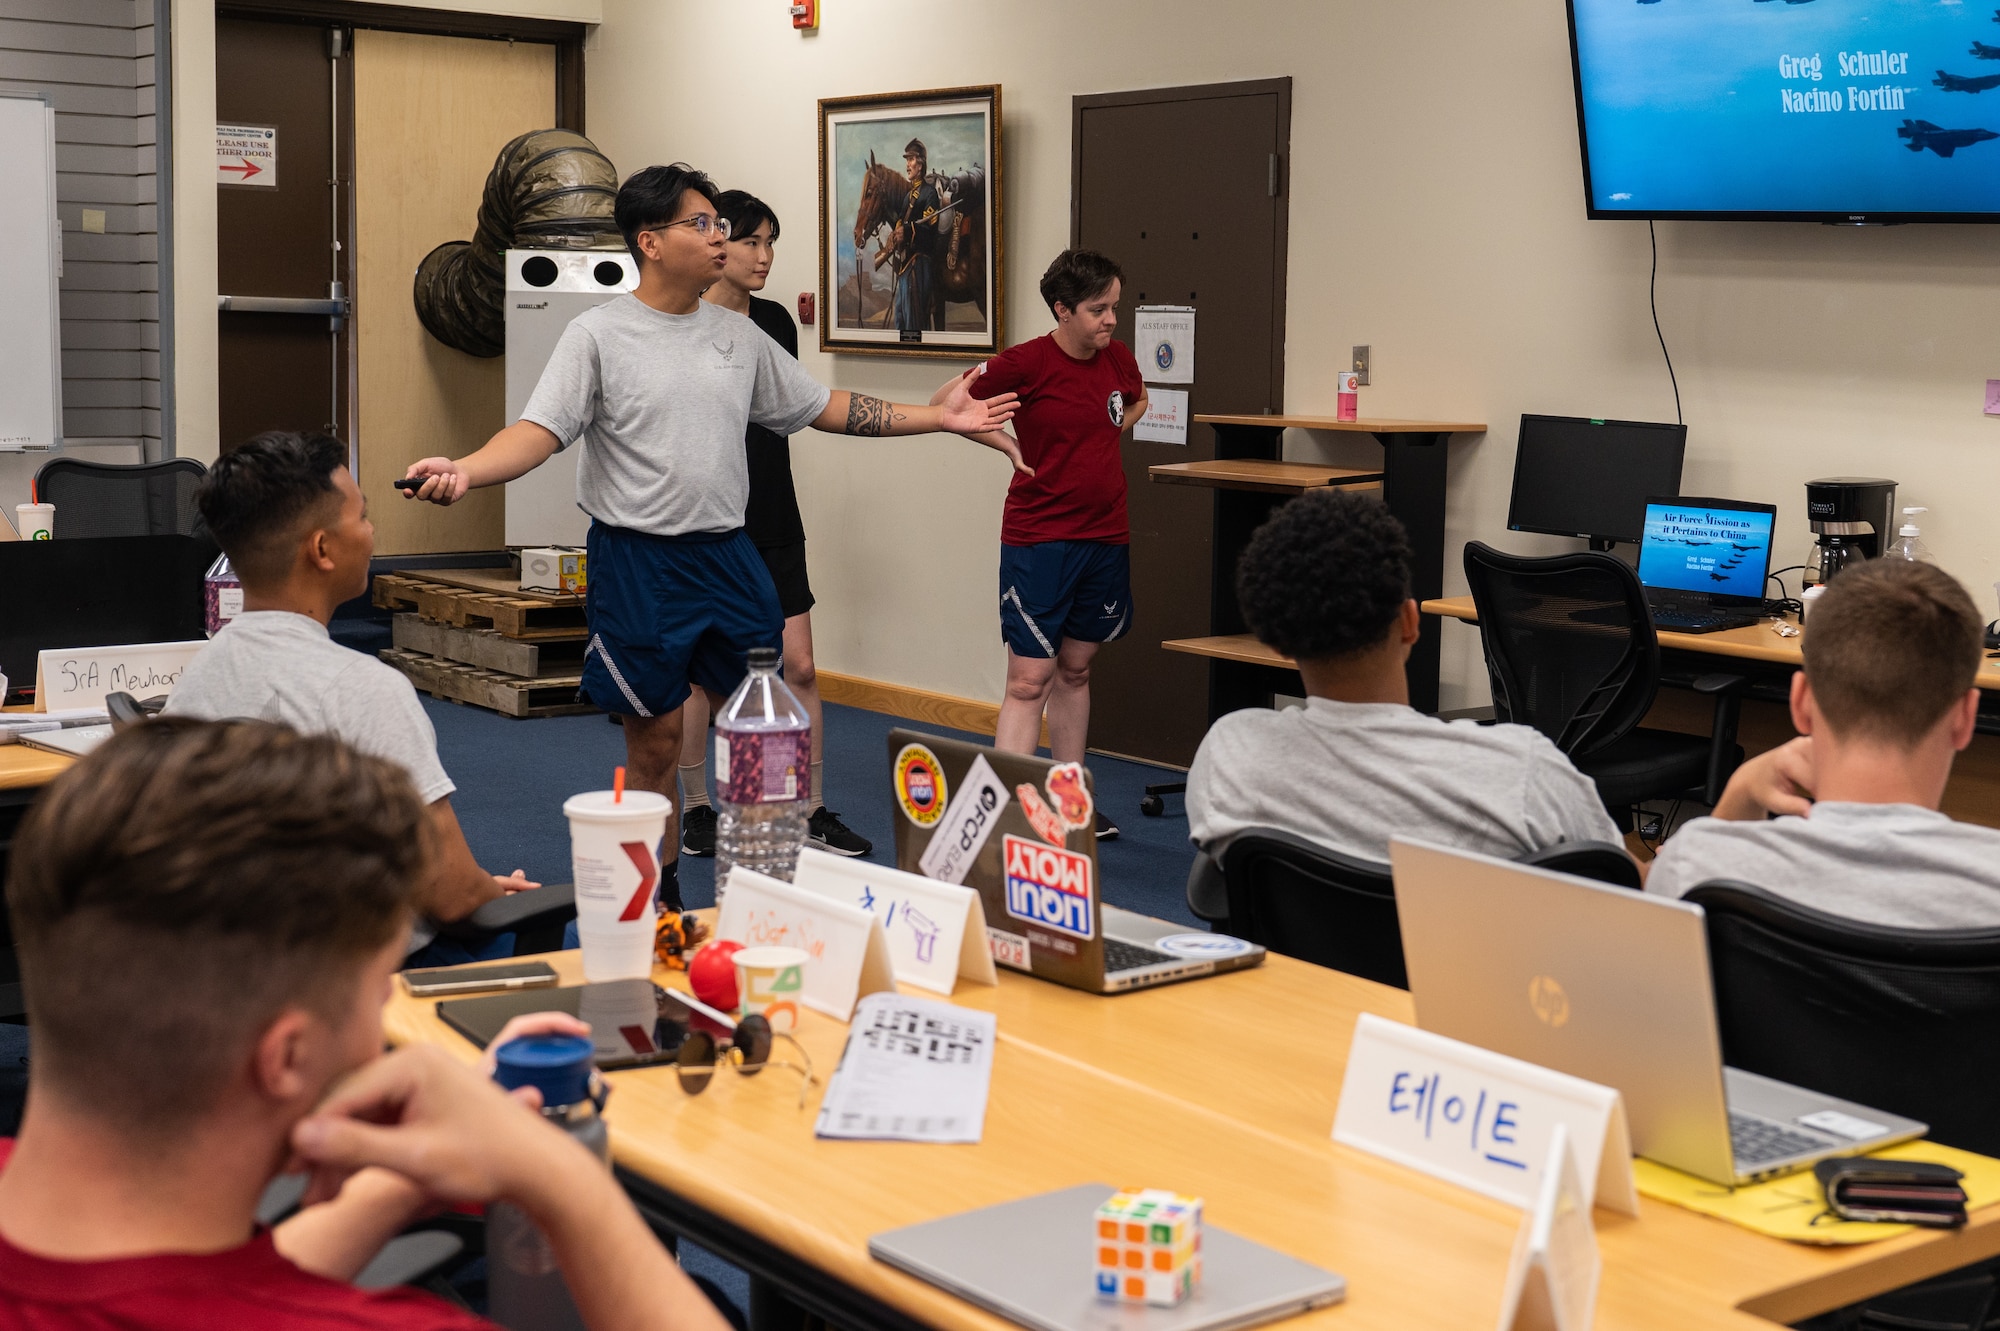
[[910, 253]]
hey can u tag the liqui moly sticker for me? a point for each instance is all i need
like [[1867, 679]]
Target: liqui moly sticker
[[967, 825], [1049, 886], [1070, 794]]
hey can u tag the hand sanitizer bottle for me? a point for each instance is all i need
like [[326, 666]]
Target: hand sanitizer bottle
[[1909, 545]]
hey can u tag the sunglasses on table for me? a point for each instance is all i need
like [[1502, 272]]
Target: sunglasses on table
[[747, 1052]]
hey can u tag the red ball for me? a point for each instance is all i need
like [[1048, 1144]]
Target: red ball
[[712, 974]]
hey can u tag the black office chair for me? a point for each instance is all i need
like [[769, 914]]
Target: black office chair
[[113, 499], [1901, 1019], [1298, 898], [1571, 651]]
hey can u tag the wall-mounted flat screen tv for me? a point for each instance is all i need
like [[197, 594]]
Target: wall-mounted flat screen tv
[[1789, 110]]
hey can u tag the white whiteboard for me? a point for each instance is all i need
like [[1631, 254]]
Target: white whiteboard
[[30, 255]]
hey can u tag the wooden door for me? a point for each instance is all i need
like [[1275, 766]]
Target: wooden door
[[1185, 188], [430, 115]]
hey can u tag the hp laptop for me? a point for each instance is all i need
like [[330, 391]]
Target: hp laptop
[[1611, 985], [1704, 562], [1022, 832]]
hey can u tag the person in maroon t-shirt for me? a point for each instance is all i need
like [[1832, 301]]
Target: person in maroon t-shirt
[[1065, 543], [206, 991]]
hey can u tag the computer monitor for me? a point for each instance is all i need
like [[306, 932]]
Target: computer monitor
[[1574, 476]]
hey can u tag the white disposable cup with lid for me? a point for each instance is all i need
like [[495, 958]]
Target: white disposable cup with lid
[[35, 522], [614, 852]]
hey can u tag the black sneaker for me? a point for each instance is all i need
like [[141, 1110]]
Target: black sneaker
[[826, 831], [1106, 829], [698, 832]]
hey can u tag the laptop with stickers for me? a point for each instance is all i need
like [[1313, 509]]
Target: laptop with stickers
[[1022, 832]]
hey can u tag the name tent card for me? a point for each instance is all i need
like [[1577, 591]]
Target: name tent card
[[850, 956], [1479, 1119], [936, 932], [1552, 1275], [81, 676]]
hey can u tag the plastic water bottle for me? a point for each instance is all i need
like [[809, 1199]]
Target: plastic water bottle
[[1909, 542], [524, 1286], [763, 775]]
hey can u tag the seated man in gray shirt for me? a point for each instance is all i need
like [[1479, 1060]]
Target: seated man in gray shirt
[[1327, 582], [296, 530], [1845, 818]]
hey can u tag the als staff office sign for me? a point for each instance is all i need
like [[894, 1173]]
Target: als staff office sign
[[246, 155]]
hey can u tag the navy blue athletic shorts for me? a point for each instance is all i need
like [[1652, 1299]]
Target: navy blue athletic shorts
[[1064, 589], [669, 612]]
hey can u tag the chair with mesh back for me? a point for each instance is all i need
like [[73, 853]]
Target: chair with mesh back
[[1904, 1020], [112, 499], [1571, 651]]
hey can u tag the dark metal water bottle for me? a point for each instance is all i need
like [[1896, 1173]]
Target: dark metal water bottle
[[525, 1290]]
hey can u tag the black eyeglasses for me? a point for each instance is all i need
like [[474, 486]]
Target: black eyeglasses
[[748, 1052], [703, 223]]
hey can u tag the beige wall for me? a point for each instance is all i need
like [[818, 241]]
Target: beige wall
[[1436, 214]]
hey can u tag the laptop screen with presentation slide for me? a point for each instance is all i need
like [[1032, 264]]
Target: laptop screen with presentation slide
[[1717, 551], [1613, 986], [1021, 831]]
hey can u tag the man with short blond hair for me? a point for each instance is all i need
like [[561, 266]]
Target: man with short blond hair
[[1845, 818]]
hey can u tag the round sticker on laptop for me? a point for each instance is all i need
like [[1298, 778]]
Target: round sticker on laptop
[[920, 785], [1203, 947]]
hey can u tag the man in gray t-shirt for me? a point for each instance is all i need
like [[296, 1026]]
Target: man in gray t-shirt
[[1845, 818], [1326, 581], [658, 388], [296, 530]]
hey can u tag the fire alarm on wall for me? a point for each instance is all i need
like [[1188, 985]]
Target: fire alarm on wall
[[805, 307], [805, 14]]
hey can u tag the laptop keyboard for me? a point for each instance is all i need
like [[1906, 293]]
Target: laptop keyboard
[[1759, 1141], [1120, 955], [1701, 621]]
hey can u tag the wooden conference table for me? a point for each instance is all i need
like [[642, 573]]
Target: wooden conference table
[[1224, 1087]]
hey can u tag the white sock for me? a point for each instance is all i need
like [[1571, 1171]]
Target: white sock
[[818, 799], [694, 786]]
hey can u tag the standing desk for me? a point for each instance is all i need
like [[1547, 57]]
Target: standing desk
[[1226, 1088], [1250, 479]]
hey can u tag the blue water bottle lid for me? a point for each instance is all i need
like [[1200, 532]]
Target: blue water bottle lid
[[556, 1065]]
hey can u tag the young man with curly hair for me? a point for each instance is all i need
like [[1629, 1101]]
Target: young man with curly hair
[[1845, 817], [1327, 582]]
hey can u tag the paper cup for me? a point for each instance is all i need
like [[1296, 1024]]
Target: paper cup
[[35, 522], [614, 854], [771, 980]]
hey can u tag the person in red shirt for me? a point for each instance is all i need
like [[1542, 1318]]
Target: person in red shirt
[[1065, 541], [209, 916]]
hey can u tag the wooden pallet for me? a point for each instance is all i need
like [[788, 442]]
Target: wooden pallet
[[538, 617], [505, 694], [542, 659]]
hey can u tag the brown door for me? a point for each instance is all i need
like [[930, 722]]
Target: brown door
[[1185, 188], [278, 218]]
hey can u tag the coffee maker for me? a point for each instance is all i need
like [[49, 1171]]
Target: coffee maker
[[1852, 517]]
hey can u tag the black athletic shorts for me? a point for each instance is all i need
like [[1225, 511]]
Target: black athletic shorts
[[788, 570]]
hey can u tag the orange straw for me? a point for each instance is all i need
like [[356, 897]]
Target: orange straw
[[618, 786], [31, 491]]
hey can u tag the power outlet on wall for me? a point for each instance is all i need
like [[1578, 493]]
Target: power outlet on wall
[[1360, 366]]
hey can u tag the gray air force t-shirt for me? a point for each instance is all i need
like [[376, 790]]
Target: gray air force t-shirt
[[1352, 775], [272, 665], [661, 402], [1894, 864]]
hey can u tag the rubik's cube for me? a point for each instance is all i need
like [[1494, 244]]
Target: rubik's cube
[[1149, 1247]]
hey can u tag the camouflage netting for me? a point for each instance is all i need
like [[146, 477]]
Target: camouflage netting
[[548, 190]]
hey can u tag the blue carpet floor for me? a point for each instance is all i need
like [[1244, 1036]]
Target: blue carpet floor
[[514, 775]]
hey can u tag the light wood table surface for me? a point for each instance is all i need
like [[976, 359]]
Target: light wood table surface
[[25, 768], [1225, 1087], [1289, 478]]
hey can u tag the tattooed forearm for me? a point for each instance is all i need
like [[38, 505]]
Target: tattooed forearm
[[870, 415]]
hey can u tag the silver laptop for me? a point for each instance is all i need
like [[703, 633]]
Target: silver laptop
[[75, 741], [1049, 920], [1613, 986], [1031, 1262]]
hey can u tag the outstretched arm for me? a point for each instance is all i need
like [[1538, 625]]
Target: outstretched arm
[[958, 413], [514, 452]]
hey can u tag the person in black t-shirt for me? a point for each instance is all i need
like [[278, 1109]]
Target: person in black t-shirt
[[775, 528]]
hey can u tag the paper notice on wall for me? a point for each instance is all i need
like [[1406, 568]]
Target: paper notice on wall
[[1163, 341], [1166, 418], [246, 155]]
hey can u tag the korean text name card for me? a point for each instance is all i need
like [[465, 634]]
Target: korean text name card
[[1477, 1118], [936, 931]]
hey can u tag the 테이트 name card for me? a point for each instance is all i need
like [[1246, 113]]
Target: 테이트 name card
[[1476, 1118], [850, 956], [936, 931], [81, 676]]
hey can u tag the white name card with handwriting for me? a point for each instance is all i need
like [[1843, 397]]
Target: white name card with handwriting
[[1477, 1118], [936, 932], [1552, 1276], [81, 676], [850, 956]]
